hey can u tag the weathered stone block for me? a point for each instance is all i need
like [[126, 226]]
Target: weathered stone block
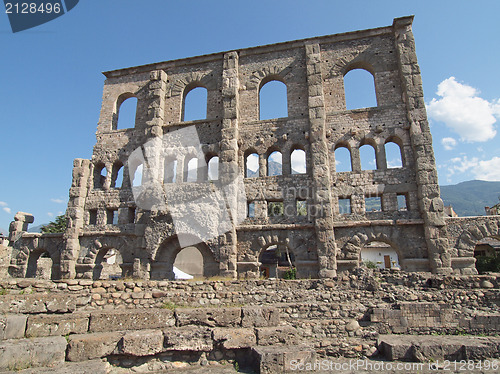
[[188, 338], [12, 326], [223, 317], [234, 338], [276, 335], [23, 353], [141, 343], [90, 346], [58, 324], [258, 316], [131, 319]]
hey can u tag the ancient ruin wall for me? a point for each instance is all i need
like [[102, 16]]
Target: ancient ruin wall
[[104, 216]]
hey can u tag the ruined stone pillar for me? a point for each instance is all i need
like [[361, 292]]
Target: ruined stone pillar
[[75, 215], [320, 166], [19, 225], [430, 203], [228, 159]]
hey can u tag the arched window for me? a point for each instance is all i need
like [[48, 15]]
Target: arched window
[[368, 157], [126, 112], [343, 161], [39, 265], [359, 88], [100, 173], [194, 106], [213, 168], [170, 170], [191, 170], [274, 164], [137, 176], [298, 161], [252, 165], [117, 175], [273, 101], [393, 155], [107, 264]]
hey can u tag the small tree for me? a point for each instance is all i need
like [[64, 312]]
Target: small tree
[[56, 226]]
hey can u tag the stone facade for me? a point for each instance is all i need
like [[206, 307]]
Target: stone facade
[[103, 215]]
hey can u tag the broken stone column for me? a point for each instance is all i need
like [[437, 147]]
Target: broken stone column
[[323, 221], [19, 225]]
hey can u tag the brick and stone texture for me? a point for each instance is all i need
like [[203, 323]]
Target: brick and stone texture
[[104, 218]]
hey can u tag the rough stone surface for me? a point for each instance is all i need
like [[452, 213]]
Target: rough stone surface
[[188, 338], [12, 326], [23, 353], [131, 319], [141, 343], [226, 317], [231, 338], [49, 325], [82, 347], [276, 335], [257, 316], [320, 215]]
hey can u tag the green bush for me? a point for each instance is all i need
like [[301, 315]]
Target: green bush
[[488, 263], [370, 264], [290, 274]]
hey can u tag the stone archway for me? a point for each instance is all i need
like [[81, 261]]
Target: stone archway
[[162, 266], [39, 264]]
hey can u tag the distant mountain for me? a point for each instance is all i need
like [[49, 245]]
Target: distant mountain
[[470, 198], [37, 228], [274, 168]]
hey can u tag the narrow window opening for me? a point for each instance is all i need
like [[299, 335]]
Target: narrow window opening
[[275, 164], [117, 177], [275, 209], [93, 217], [213, 168], [301, 207], [393, 155], [195, 104], [138, 174], [191, 170], [298, 161], [127, 113], [170, 171], [100, 173], [343, 162], [402, 202], [373, 204], [251, 209], [131, 215], [345, 206], [368, 157], [111, 217], [252, 165], [359, 87], [273, 101]]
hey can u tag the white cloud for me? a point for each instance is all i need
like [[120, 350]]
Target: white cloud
[[7, 209], [448, 143], [3, 203], [276, 157], [253, 162], [50, 214], [463, 111], [488, 170], [58, 201], [298, 161]]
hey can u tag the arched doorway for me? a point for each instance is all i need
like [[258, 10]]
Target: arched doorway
[[39, 264], [379, 254], [197, 259], [107, 264], [277, 261], [487, 255]]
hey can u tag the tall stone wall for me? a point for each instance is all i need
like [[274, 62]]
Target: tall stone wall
[[138, 220]]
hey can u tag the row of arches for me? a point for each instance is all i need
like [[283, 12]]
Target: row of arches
[[273, 163], [369, 156], [359, 90]]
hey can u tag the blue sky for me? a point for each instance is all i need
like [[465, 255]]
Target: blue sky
[[51, 85]]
